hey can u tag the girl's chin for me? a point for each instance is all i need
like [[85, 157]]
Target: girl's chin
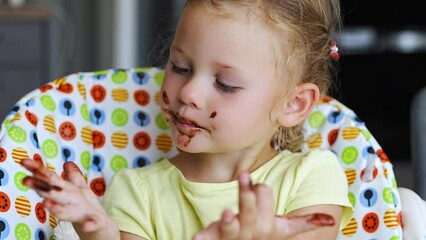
[[188, 144], [183, 140]]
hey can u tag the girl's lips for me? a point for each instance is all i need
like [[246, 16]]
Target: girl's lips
[[189, 130], [185, 126]]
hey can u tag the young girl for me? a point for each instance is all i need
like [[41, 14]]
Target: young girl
[[241, 78]]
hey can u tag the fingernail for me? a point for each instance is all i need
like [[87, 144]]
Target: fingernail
[[228, 216], [71, 167], [24, 162], [197, 236], [244, 179], [321, 219], [25, 181]]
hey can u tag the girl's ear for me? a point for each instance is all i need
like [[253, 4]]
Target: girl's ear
[[300, 106]]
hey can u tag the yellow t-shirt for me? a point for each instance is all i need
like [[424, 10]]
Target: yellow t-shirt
[[157, 202]]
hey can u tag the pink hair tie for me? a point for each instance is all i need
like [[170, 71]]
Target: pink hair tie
[[334, 50]]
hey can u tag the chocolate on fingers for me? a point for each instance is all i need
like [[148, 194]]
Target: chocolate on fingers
[[39, 185], [41, 176]]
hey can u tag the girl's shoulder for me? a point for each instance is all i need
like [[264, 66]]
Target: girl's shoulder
[[290, 165], [320, 156], [318, 163], [315, 157]]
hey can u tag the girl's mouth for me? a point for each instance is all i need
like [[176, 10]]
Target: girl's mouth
[[184, 125]]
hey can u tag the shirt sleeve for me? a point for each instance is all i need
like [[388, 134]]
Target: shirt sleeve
[[127, 203], [320, 180]]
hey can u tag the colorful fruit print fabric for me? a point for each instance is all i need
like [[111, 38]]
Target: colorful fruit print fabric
[[104, 121], [108, 120], [371, 180]]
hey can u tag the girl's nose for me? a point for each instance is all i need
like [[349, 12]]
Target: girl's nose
[[192, 93]]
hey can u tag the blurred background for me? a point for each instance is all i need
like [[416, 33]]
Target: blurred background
[[382, 46]]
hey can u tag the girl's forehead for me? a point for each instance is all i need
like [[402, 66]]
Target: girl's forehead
[[232, 13], [201, 24], [231, 19]]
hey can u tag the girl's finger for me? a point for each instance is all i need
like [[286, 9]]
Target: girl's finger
[[74, 174], [37, 169], [229, 225], [36, 184], [265, 207], [67, 211], [41, 185], [48, 191], [43, 179], [247, 206], [212, 232], [42, 188]]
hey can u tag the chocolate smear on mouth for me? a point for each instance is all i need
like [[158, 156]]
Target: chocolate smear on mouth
[[187, 137], [213, 115]]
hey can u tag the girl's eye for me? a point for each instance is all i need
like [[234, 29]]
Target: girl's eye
[[225, 88], [180, 70]]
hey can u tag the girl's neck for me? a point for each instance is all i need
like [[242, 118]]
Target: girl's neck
[[221, 167]]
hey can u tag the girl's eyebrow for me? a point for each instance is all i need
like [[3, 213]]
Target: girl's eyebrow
[[228, 66], [222, 65], [177, 49]]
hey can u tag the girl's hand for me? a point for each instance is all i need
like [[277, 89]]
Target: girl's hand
[[69, 199], [256, 219]]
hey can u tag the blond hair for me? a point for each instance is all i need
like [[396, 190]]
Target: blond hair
[[304, 30]]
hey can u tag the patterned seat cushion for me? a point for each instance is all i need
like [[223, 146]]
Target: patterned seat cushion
[[103, 121], [109, 120], [371, 180]]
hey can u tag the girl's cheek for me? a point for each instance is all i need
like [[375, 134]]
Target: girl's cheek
[[165, 98], [165, 105]]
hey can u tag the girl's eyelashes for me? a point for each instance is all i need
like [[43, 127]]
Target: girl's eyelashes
[[180, 70], [218, 84], [225, 88]]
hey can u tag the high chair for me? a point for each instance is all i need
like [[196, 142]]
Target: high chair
[[108, 120], [372, 185]]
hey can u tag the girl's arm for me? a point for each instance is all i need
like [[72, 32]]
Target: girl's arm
[[326, 232], [71, 200]]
